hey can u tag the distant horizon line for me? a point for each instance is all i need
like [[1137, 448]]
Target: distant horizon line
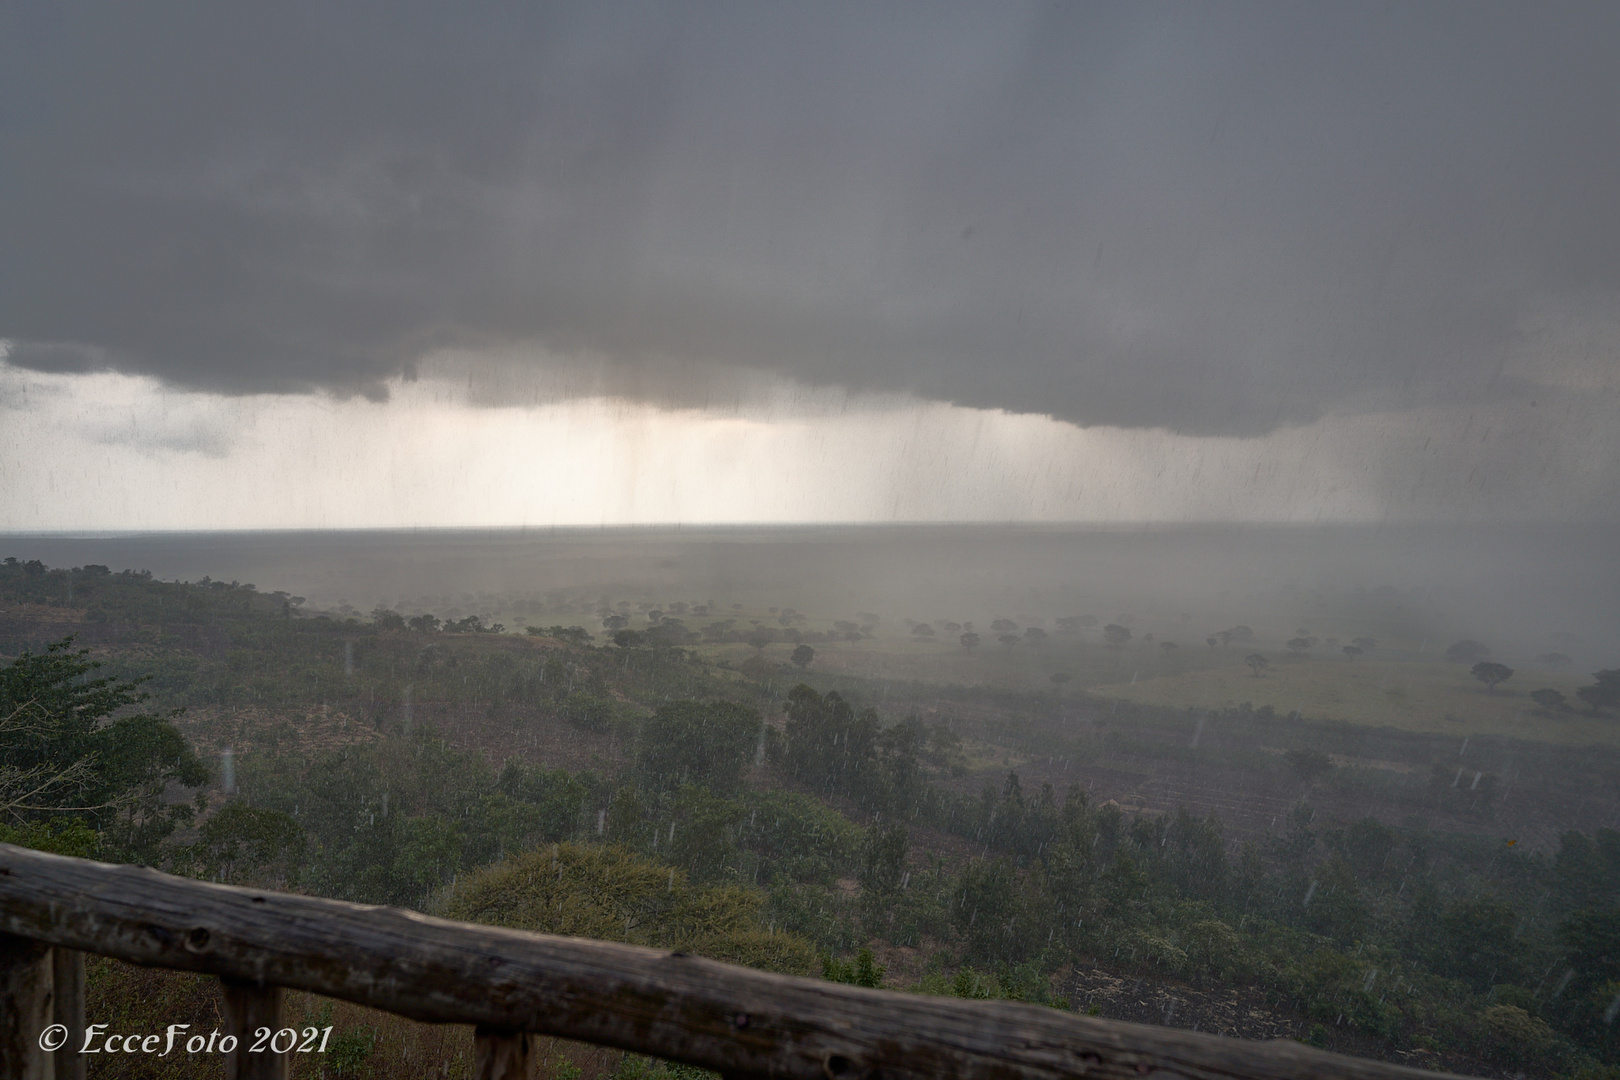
[[1144, 525]]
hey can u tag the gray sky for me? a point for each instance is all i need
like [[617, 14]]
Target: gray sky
[[1215, 220]]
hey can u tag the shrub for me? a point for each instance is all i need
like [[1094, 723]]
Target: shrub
[[611, 894]]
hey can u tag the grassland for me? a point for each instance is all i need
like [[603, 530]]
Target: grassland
[[1404, 690], [1413, 695]]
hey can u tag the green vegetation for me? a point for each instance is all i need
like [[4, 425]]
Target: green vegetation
[[691, 742], [1413, 695], [810, 829], [76, 757], [611, 894], [394, 820]]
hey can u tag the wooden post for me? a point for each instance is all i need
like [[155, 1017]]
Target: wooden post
[[501, 1055], [249, 1008], [25, 1008], [67, 974]]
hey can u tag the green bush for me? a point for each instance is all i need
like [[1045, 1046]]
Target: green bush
[[68, 838], [696, 742], [864, 970], [612, 894]]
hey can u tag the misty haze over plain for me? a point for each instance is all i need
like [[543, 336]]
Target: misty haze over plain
[[1517, 588]]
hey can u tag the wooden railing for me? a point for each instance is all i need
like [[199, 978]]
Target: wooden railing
[[511, 985]]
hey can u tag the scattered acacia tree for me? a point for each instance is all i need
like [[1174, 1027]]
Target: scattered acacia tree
[[383, 619], [627, 639], [1308, 764], [1301, 645], [1035, 635], [1550, 700], [1004, 626], [1168, 647], [672, 631], [803, 655], [1554, 660], [1352, 651], [1257, 663], [1604, 693], [572, 635], [1059, 678], [1491, 673], [1116, 635], [969, 640], [1365, 644], [1009, 640], [1212, 642], [1467, 651]]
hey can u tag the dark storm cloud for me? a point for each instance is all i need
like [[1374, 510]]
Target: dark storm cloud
[[1210, 218]]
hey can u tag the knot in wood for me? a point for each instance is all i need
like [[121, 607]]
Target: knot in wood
[[197, 939], [837, 1066]]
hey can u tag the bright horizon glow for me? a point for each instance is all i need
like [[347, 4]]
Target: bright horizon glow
[[115, 452]]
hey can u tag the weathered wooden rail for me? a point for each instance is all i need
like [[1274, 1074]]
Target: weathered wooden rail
[[511, 985]]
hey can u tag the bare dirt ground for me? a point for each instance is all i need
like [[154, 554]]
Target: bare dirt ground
[[534, 736]]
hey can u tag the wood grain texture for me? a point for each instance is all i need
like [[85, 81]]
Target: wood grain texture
[[25, 1007], [67, 977], [250, 1008], [502, 1055], [736, 1021]]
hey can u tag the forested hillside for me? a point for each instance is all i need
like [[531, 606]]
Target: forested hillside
[[584, 781]]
